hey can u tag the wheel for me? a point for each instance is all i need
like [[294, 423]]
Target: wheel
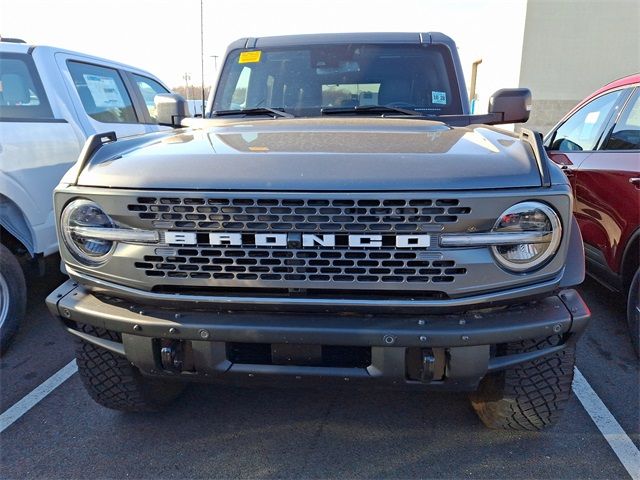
[[633, 311], [13, 296], [530, 396], [113, 382]]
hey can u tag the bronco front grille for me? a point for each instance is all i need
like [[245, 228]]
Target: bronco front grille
[[298, 214], [297, 265]]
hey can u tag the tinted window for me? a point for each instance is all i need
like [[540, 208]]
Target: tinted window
[[149, 89], [626, 132], [21, 93], [304, 79], [102, 92], [584, 128]]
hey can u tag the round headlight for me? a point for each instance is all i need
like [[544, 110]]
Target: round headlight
[[528, 217], [81, 214]]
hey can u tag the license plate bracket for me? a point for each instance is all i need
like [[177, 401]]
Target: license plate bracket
[[302, 355]]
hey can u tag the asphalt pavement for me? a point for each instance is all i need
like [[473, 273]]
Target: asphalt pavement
[[224, 431]]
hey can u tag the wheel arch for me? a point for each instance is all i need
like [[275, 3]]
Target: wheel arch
[[15, 232], [630, 259]]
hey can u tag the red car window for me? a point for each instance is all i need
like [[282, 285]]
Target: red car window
[[626, 132], [583, 129]]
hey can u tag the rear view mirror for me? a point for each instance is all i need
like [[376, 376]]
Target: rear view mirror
[[171, 108], [510, 105]]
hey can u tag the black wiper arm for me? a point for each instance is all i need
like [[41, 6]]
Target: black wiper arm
[[368, 109], [253, 111]]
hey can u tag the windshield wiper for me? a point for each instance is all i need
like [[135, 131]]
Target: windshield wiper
[[363, 109], [253, 111]]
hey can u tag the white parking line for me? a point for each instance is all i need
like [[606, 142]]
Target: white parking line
[[618, 440], [28, 402]]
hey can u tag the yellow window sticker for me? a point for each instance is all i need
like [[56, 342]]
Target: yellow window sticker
[[250, 57]]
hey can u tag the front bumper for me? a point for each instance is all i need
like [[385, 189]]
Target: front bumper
[[460, 346]]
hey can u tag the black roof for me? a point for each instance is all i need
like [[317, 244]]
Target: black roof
[[328, 38]]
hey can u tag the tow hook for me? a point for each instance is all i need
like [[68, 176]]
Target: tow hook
[[169, 358], [428, 367]]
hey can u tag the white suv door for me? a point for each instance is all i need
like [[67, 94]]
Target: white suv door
[[105, 97], [37, 147]]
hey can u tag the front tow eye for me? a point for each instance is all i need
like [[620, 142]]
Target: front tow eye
[[169, 358], [428, 367]]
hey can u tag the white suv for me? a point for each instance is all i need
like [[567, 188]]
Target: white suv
[[51, 100]]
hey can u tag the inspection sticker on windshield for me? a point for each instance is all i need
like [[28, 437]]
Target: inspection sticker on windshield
[[439, 98], [250, 57]]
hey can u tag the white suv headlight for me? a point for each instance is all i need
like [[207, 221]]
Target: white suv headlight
[[78, 216], [528, 217]]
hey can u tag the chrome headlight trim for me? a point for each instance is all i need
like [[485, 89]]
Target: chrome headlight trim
[[73, 241], [552, 237]]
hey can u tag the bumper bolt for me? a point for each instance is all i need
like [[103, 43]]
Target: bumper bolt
[[137, 328], [465, 338], [177, 315], [173, 330], [423, 338], [557, 327], [389, 339], [204, 334], [462, 322], [421, 322], [66, 312]]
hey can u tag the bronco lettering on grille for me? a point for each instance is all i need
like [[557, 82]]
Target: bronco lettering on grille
[[297, 240]]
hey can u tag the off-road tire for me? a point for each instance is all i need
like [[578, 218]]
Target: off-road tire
[[530, 396], [633, 314], [113, 382], [16, 288]]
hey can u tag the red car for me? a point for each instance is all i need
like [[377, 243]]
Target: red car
[[597, 145]]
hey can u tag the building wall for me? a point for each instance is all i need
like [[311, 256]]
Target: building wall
[[573, 47]]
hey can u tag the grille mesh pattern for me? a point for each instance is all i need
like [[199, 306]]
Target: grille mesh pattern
[[291, 214], [339, 265]]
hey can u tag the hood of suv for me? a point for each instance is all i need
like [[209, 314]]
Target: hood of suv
[[315, 154]]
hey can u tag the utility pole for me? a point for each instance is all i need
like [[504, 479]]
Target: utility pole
[[187, 77], [215, 71], [202, 55]]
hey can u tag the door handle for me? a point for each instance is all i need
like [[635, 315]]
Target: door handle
[[635, 181], [568, 171]]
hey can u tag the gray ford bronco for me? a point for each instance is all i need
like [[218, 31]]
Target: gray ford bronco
[[338, 215]]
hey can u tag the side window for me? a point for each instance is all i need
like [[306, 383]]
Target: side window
[[626, 132], [583, 130], [102, 92], [21, 93], [149, 89]]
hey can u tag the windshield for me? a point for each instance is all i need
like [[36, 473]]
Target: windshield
[[303, 80]]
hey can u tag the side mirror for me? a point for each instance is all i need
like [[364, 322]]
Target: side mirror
[[510, 105], [170, 109]]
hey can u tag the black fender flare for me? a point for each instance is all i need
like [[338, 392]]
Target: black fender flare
[[574, 271]]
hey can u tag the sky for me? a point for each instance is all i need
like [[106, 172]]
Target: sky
[[163, 36]]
